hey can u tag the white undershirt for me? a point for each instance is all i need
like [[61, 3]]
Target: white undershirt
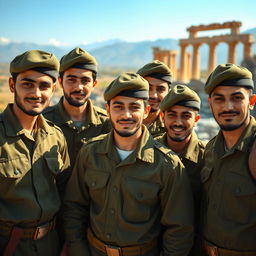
[[123, 153]]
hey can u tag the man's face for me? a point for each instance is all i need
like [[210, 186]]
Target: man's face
[[179, 122], [158, 89], [126, 115], [77, 86], [32, 91], [230, 106]]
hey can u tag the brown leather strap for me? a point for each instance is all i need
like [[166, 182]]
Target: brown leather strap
[[120, 251], [16, 235], [212, 250], [35, 233]]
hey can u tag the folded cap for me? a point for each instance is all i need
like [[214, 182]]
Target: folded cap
[[78, 58], [156, 69], [41, 61], [181, 95], [229, 75], [129, 85]]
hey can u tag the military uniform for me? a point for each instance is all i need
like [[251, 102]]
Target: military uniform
[[157, 128], [129, 202], [229, 194], [95, 123], [32, 177]]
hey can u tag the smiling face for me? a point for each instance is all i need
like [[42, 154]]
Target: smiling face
[[158, 89], [230, 106], [179, 122], [126, 115], [77, 86], [32, 91]]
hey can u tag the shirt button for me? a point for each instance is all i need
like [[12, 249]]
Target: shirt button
[[112, 211], [93, 184], [237, 191], [16, 171], [115, 189], [108, 236]]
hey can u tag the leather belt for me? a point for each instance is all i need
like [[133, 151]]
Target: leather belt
[[34, 233], [213, 250], [111, 250]]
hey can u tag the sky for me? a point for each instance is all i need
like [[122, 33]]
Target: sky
[[66, 23]]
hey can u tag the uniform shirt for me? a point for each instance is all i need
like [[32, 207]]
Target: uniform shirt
[[129, 202], [31, 171], [192, 159], [229, 193], [95, 123], [157, 127]]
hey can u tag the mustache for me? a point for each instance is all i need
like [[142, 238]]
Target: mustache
[[78, 92], [34, 98], [229, 112], [157, 100], [126, 120]]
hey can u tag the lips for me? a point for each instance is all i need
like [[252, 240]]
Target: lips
[[34, 101]]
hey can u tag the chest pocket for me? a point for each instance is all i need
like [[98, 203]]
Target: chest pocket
[[239, 198], [54, 163], [11, 172], [140, 199], [96, 181]]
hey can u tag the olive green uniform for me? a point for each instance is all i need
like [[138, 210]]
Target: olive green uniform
[[157, 127], [33, 174], [95, 123], [129, 202], [229, 194]]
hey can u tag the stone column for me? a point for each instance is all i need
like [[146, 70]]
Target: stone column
[[196, 62], [188, 69], [232, 52], [247, 50], [212, 57], [173, 65], [183, 63]]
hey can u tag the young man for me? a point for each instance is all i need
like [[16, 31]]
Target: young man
[[34, 160], [180, 114], [159, 77], [75, 114], [128, 192], [229, 187]]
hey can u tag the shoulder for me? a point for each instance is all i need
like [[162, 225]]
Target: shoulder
[[95, 141], [53, 127], [49, 112]]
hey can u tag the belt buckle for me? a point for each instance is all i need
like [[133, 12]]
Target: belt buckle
[[113, 250], [213, 250]]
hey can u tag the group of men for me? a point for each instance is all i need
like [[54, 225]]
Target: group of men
[[130, 180]]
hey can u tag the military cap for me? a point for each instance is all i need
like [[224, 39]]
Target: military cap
[[229, 75], [78, 58], [129, 85], [43, 62], [156, 69], [181, 95]]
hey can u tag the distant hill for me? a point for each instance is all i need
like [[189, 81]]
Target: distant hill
[[120, 54]]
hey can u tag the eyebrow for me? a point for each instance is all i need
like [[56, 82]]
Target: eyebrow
[[121, 103], [233, 94], [73, 76], [183, 112], [28, 79]]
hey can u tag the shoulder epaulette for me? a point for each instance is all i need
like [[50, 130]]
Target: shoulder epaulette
[[100, 110], [163, 149], [49, 109], [95, 139]]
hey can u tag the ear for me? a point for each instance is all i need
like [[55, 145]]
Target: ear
[[54, 86], [252, 99], [161, 115], [107, 109], [60, 82], [11, 85], [146, 111], [95, 83], [197, 118]]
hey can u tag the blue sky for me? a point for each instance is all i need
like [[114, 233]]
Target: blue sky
[[83, 21]]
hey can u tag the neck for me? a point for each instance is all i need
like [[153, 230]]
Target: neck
[[176, 146], [27, 122], [75, 113], [232, 137], [152, 116], [127, 143]]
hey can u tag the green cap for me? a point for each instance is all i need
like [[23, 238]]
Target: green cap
[[78, 58], [181, 95], [229, 75], [156, 69], [43, 62], [129, 85]]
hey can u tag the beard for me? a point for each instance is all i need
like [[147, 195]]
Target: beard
[[22, 108], [178, 138], [74, 102], [125, 133]]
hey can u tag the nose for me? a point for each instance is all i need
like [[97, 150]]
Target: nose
[[37, 92], [178, 121], [228, 105], [127, 113], [153, 93]]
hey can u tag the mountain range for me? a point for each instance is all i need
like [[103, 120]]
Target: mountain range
[[120, 54]]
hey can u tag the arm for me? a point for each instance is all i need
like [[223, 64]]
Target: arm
[[76, 209], [177, 213]]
